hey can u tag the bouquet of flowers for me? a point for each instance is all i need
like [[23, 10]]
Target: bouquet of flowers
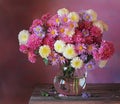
[[70, 39]]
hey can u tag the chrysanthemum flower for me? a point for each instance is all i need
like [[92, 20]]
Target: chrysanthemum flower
[[48, 40], [106, 50], [72, 25], [35, 23], [23, 49], [62, 12], [38, 30], [76, 63], [62, 60], [44, 51], [64, 20], [59, 46], [54, 21], [100, 24], [85, 32], [31, 57], [80, 48], [87, 17], [62, 30], [102, 63], [23, 36], [34, 42], [69, 32], [90, 65], [69, 51], [91, 48], [73, 16], [53, 32], [92, 13], [67, 39]]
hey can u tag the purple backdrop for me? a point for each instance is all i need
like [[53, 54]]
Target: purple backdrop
[[16, 73]]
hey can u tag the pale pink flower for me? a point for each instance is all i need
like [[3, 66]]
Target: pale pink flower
[[23, 49], [31, 57]]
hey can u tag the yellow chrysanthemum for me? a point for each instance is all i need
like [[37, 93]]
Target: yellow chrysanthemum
[[44, 51], [23, 36], [59, 46], [73, 16], [69, 32], [76, 63], [69, 51], [102, 63], [62, 12], [92, 13]]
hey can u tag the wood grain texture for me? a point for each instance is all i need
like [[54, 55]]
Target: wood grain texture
[[100, 94]]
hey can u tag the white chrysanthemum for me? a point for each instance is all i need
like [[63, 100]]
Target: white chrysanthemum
[[76, 63], [102, 63], [62, 12], [92, 13], [23, 36], [73, 16], [69, 51], [59, 46], [100, 24], [44, 51], [69, 32]]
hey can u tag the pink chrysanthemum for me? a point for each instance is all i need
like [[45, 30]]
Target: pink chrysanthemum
[[91, 48], [80, 48], [87, 25], [67, 39], [89, 39], [53, 58], [35, 23], [49, 41], [106, 50], [53, 32], [64, 20], [23, 49], [95, 31], [61, 60], [77, 38], [31, 57], [53, 21], [45, 17], [72, 25], [96, 55], [34, 42]]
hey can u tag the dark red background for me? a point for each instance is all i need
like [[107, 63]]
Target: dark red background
[[18, 77]]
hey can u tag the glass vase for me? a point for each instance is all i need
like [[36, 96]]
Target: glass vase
[[70, 85]]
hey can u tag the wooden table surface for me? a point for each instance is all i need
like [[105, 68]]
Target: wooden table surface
[[99, 94]]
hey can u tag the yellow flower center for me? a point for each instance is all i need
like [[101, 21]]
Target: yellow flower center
[[52, 32], [89, 66], [24, 37], [77, 63], [38, 29], [59, 47], [65, 19], [80, 48], [70, 51], [87, 17], [62, 30], [71, 25], [57, 20]]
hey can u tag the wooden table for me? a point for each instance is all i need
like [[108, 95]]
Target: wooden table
[[100, 94]]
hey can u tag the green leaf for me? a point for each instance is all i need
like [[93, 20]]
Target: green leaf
[[45, 61]]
